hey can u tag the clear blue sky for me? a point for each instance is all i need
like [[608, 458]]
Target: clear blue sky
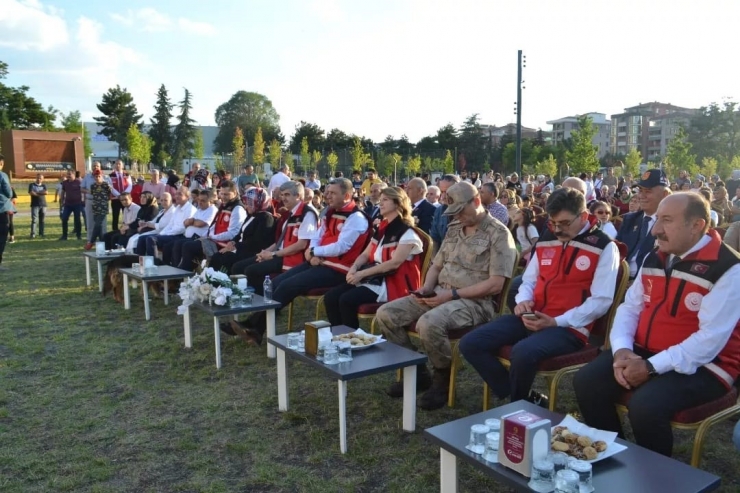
[[376, 67]]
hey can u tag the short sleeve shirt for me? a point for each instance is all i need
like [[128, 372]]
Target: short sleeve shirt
[[467, 260], [40, 200], [100, 193]]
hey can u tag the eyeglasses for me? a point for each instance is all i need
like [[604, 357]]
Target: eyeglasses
[[604, 212], [561, 224]]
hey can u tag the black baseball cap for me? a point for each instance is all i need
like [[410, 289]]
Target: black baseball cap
[[653, 178]]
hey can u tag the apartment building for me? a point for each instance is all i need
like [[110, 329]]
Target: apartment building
[[563, 127]]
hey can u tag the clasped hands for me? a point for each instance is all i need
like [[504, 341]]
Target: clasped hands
[[630, 370]]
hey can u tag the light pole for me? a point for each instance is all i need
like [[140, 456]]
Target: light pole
[[521, 63]]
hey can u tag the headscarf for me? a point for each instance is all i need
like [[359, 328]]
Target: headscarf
[[201, 176], [257, 198], [172, 179]]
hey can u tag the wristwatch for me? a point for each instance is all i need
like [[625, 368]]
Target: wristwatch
[[274, 253], [650, 369], [310, 252], [455, 296]]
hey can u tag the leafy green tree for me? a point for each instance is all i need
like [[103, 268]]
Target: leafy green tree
[[316, 157], [715, 131], [632, 162], [332, 160], [159, 131], [472, 142], [20, 111], [447, 137], [237, 148], [584, 155], [248, 111], [313, 134], [360, 158], [305, 154], [184, 134], [448, 163], [274, 152], [336, 139], [679, 156], [119, 113], [709, 167], [548, 166], [258, 155], [199, 149], [72, 122], [139, 147], [384, 163], [413, 165]]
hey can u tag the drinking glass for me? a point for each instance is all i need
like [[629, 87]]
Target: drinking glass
[[493, 423], [491, 452], [566, 481], [301, 342], [331, 357], [320, 352], [293, 339], [344, 350], [584, 471], [559, 459], [478, 434], [543, 472]]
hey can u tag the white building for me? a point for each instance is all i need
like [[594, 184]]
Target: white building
[[563, 127]]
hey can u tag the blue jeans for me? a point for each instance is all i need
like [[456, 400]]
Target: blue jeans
[[530, 348], [78, 210], [38, 214]]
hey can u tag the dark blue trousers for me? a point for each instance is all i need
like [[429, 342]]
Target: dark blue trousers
[[530, 348]]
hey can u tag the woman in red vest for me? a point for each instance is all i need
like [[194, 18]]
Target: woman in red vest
[[389, 267]]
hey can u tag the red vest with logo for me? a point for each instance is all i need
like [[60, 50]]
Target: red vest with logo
[[408, 275], [673, 300], [292, 225], [334, 221], [221, 222], [120, 184], [567, 271]]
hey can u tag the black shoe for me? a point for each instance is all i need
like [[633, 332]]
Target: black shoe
[[62, 238], [538, 399], [436, 396], [423, 382], [226, 329]]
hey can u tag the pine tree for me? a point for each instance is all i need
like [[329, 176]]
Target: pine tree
[[160, 132], [184, 137], [119, 113]]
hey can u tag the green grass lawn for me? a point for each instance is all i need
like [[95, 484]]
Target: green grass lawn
[[93, 398]]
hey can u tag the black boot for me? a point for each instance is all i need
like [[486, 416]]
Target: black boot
[[436, 396], [423, 382]]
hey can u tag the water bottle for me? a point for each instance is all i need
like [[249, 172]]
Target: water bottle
[[267, 289]]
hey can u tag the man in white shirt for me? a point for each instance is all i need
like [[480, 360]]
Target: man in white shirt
[[174, 230], [130, 212], [313, 183], [279, 178], [567, 285], [153, 227], [196, 226], [433, 194], [675, 341]]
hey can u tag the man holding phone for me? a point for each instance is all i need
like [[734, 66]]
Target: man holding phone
[[475, 258], [568, 284]]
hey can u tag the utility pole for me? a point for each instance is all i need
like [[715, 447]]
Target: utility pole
[[521, 63]]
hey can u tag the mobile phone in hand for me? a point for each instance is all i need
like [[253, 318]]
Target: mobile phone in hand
[[424, 295], [530, 316]]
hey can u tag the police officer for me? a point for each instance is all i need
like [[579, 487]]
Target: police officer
[[475, 258]]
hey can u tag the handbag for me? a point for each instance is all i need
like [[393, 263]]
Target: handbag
[[376, 279]]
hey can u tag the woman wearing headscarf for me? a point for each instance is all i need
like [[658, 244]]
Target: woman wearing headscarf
[[257, 232], [623, 201]]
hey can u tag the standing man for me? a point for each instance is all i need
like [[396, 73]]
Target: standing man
[[372, 206], [246, 178], [37, 191], [609, 180], [475, 259], [278, 179], [636, 226], [489, 197], [155, 186], [568, 284], [87, 182], [313, 182], [121, 182], [372, 179], [6, 206], [422, 211], [71, 203], [433, 194], [675, 341], [439, 222]]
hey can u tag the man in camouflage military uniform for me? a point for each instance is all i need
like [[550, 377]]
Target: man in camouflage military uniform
[[475, 258]]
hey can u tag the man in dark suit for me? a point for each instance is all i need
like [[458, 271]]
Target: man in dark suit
[[423, 211], [372, 204], [636, 226]]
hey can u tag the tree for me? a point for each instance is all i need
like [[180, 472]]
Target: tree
[[359, 157], [336, 139], [584, 155], [679, 157], [198, 145], [72, 122], [447, 137], [384, 163], [237, 147], [184, 134], [119, 113], [159, 131], [332, 160], [548, 166], [274, 151], [20, 111], [305, 154], [309, 131], [258, 154], [632, 162], [413, 165], [709, 167], [139, 147], [316, 157], [715, 131], [248, 111], [471, 142], [448, 164]]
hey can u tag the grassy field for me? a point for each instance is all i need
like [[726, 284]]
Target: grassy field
[[93, 398]]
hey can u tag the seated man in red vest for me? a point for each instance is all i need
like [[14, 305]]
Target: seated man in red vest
[[342, 237], [675, 341], [568, 284]]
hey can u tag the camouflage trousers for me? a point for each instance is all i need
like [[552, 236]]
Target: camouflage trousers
[[394, 318]]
